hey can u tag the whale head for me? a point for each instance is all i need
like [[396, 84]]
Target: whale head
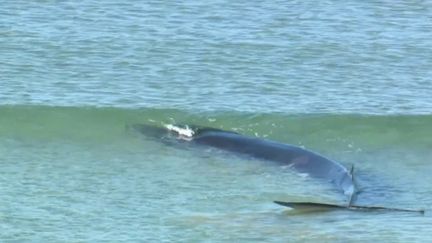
[[164, 132]]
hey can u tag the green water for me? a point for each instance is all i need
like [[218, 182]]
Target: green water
[[77, 174], [350, 80]]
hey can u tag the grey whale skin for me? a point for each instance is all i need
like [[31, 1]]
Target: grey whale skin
[[301, 160]]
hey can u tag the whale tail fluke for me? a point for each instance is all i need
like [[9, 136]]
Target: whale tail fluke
[[311, 206]]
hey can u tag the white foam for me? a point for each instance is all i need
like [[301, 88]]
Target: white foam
[[187, 132], [303, 175]]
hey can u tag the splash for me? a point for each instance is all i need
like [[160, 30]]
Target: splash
[[185, 132]]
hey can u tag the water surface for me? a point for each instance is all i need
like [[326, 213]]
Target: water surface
[[349, 80]]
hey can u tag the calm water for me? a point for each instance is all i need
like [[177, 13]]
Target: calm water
[[349, 80], [354, 57]]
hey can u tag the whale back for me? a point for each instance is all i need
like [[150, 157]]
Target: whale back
[[300, 159]]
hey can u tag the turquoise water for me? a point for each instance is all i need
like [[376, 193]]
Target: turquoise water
[[349, 80]]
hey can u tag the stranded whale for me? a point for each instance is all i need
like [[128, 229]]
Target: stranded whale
[[299, 159]]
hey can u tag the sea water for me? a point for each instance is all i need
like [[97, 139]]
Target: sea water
[[351, 81]]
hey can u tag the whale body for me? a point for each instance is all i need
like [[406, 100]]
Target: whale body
[[297, 158]]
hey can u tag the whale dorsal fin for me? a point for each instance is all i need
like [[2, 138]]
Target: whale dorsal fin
[[354, 192]]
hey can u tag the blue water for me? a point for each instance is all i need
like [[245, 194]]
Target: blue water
[[350, 80], [352, 57]]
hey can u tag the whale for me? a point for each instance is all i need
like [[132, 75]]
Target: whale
[[299, 159]]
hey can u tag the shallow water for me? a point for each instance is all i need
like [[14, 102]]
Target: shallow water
[[71, 174], [350, 81]]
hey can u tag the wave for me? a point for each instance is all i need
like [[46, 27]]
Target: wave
[[321, 131]]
